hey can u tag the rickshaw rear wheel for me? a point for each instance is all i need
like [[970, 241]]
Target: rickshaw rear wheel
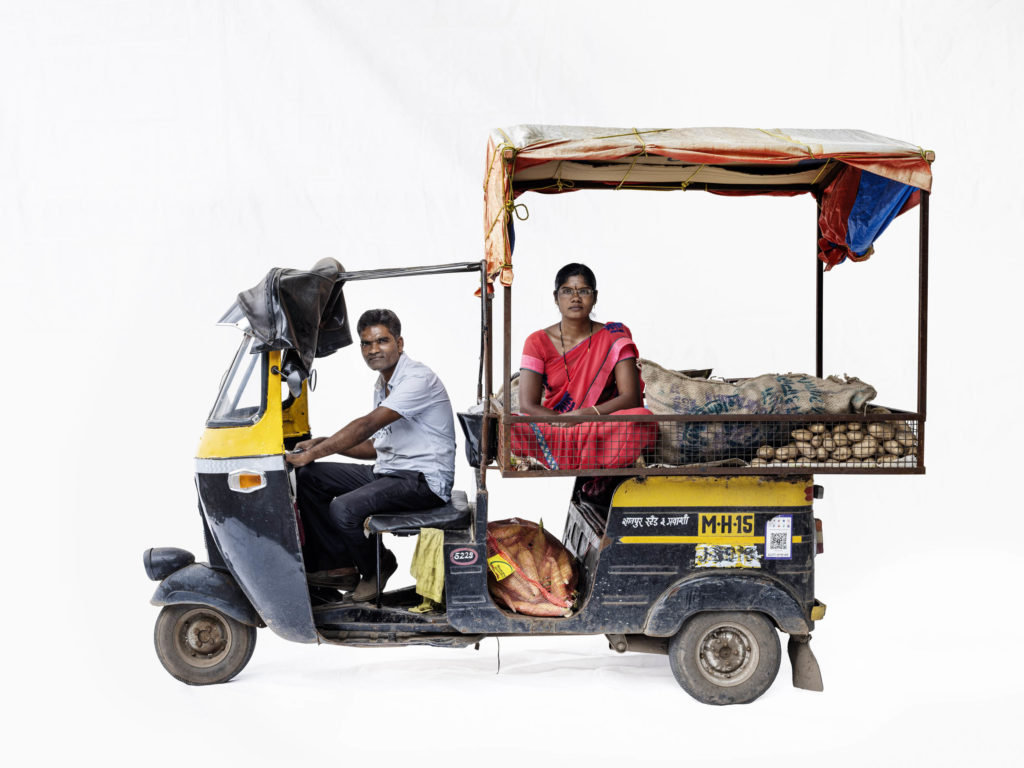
[[725, 657], [199, 645]]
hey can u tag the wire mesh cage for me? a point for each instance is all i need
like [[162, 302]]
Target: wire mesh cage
[[881, 441]]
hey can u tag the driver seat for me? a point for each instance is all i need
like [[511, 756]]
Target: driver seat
[[457, 513]]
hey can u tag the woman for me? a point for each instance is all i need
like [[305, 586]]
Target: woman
[[580, 366]]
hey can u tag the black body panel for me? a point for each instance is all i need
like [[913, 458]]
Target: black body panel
[[258, 536]]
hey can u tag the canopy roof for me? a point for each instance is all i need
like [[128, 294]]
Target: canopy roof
[[863, 180], [296, 309]]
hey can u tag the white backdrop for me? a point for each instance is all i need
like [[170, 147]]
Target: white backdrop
[[158, 157]]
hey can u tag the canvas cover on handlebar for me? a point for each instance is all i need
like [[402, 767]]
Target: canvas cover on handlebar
[[297, 309]]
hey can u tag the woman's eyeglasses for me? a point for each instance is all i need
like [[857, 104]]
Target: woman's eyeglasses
[[583, 293]]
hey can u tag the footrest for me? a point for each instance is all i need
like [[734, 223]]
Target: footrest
[[457, 513]]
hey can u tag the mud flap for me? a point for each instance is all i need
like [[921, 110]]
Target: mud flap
[[806, 673]]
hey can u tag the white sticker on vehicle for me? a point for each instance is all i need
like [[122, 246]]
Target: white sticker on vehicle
[[726, 556], [778, 538]]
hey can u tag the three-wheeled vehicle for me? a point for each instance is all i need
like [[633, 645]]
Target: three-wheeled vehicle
[[703, 548]]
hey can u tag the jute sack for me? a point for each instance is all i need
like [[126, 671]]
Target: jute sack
[[671, 392]]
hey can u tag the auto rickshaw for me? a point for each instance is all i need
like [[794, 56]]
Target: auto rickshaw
[[704, 556]]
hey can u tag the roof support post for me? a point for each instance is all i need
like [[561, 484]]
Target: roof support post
[[819, 328], [506, 404], [485, 387], [922, 323]]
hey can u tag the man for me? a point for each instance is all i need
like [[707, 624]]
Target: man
[[410, 433]]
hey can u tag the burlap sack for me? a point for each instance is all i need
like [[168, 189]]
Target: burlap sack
[[529, 570], [672, 392]]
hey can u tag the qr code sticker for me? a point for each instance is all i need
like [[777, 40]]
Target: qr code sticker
[[778, 538]]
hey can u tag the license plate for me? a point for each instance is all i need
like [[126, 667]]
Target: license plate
[[726, 524]]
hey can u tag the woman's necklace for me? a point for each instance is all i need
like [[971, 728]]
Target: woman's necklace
[[561, 341]]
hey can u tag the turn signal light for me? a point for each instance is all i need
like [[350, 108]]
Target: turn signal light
[[246, 481]]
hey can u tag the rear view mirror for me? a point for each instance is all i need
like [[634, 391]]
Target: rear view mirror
[[293, 376], [294, 381]]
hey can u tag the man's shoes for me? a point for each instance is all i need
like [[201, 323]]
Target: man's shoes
[[367, 589], [345, 579]]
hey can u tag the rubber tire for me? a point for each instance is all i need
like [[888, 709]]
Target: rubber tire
[[758, 632], [237, 643]]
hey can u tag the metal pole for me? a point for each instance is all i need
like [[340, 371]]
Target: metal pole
[[430, 269], [506, 405], [819, 331], [484, 397], [922, 325]]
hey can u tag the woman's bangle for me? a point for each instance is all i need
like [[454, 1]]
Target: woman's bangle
[[595, 410]]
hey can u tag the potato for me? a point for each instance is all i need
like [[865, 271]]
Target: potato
[[842, 453], [883, 430], [828, 442], [865, 448], [817, 428], [759, 462], [840, 439], [893, 447], [801, 435], [766, 452], [854, 426], [910, 450], [906, 437], [786, 452], [838, 429], [816, 441], [821, 454], [806, 449]]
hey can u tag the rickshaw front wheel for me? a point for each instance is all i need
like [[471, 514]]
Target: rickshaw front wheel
[[199, 645], [725, 657]]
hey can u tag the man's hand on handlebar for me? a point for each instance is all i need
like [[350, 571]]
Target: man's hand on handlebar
[[299, 456]]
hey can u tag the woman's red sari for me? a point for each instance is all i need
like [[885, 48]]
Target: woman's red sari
[[584, 377]]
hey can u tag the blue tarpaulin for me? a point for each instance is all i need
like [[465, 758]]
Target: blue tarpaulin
[[878, 202]]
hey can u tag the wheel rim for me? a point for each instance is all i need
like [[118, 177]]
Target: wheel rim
[[201, 637], [727, 655]]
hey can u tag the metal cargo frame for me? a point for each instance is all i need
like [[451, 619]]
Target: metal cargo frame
[[502, 419]]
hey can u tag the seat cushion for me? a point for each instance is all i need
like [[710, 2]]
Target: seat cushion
[[457, 513]]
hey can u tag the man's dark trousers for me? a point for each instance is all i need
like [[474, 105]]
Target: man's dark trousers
[[334, 500]]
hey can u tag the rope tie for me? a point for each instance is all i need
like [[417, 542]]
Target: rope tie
[[790, 139], [822, 171], [643, 144], [684, 184], [628, 171], [559, 184], [519, 209], [509, 207], [635, 132], [499, 151]]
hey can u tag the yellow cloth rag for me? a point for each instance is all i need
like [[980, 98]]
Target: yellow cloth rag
[[428, 563]]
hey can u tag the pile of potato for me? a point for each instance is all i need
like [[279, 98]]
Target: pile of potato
[[876, 443]]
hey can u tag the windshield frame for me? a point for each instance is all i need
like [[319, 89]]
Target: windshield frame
[[242, 365]]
